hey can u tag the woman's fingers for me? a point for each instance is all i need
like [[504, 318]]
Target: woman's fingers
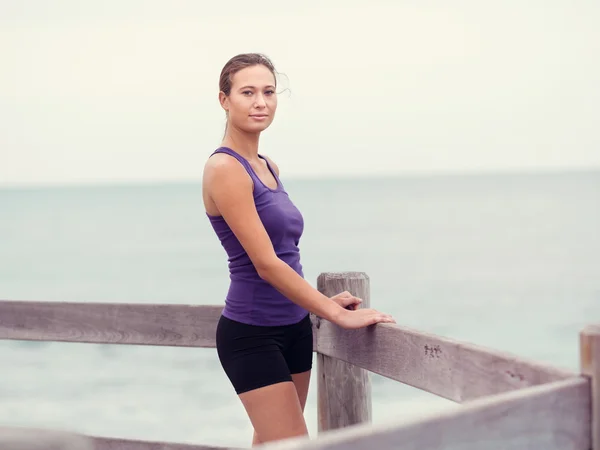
[[347, 300], [364, 317], [352, 302], [381, 317], [359, 317]]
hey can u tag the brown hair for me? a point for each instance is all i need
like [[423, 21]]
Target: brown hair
[[240, 62]]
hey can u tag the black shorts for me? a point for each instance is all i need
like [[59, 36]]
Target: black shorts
[[257, 356]]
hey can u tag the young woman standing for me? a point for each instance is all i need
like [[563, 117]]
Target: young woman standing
[[264, 336]]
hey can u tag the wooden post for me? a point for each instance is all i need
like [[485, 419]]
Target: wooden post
[[344, 390], [590, 366]]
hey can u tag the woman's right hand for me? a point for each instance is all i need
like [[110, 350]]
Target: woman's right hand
[[360, 318]]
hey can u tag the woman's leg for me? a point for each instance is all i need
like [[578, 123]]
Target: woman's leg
[[301, 383], [298, 354], [275, 412], [252, 357], [299, 357]]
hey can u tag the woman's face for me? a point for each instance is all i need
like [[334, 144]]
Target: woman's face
[[252, 102]]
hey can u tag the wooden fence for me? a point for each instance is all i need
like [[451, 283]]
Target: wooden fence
[[507, 402]]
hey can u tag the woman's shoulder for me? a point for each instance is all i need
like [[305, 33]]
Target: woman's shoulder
[[221, 166], [219, 159]]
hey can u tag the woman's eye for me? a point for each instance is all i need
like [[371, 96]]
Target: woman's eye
[[270, 92], [247, 92]]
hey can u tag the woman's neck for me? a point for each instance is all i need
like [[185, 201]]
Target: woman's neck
[[246, 144]]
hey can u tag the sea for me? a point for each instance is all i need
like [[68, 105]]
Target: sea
[[509, 261]]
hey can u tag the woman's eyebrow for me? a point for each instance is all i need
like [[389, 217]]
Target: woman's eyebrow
[[254, 87]]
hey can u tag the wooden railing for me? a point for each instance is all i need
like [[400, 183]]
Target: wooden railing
[[507, 402]]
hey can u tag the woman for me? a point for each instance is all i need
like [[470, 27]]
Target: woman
[[264, 336]]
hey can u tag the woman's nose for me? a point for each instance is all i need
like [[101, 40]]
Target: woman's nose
[[260, 101]]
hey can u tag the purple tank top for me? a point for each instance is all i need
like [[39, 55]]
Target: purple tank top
[[251, 299]]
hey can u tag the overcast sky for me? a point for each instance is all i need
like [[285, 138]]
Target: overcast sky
[[126, 90]]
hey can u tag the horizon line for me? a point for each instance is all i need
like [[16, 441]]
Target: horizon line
[[306, 177]]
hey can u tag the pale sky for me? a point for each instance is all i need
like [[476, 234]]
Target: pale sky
[[126, 91]]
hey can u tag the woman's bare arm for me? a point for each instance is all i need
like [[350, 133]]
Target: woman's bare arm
[[230, 188]]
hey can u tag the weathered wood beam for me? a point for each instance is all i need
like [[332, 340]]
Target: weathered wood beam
[[110, 323], [21, 438], [590, 367], [343, 390], [554, 416], [449, 368], [101, 443]]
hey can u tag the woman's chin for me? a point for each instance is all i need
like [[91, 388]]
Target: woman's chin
[[256, 128]]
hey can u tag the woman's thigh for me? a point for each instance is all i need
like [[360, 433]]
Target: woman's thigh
[[302, 382], [270, 374], [299, 356], [275, 411]]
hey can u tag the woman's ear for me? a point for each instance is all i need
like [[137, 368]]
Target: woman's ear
[[224, 101]]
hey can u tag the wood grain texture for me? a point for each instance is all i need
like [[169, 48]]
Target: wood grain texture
[[554, 416], [110, 323], [452, 369], [344, 394], [590, 367], [344, 390], [101, 443], [19, 438]]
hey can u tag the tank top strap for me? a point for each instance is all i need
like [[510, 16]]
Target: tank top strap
[[271, 170], [243, 161]]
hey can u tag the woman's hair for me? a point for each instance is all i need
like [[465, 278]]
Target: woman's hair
[[240, 62]]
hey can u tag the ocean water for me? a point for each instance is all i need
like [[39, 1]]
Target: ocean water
[[509, 261]]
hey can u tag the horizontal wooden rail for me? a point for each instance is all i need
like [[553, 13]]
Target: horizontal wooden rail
[[554, 416], [452, 369], [510, 402], [110, 323], [17, 438], [126, 444]]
